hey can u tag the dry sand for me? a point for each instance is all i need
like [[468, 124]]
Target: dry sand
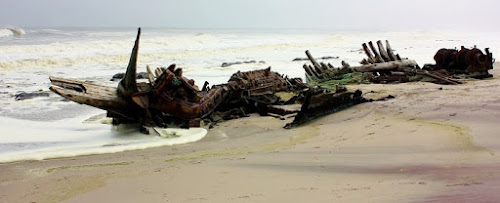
[[431, 143]]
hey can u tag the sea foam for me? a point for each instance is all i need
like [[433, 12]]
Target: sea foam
[[67, 138]]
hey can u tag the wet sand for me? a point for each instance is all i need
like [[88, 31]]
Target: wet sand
[[432, 142]]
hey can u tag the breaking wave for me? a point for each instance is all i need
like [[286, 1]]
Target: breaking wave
[[8, 32]]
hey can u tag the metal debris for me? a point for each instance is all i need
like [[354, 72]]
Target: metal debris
[[471, 62]]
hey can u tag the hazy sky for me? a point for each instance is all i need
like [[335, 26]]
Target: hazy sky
[[327, 14]]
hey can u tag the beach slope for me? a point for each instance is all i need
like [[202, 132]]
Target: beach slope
[[431, 143]]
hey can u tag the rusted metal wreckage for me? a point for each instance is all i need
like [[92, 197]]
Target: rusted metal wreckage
[[382, 65], [169, 97], [471, 62]]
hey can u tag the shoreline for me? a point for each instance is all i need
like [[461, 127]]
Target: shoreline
[[431, 143]]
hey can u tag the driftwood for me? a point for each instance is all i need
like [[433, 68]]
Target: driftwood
[[390, 65], [320, 58], [170, 98]]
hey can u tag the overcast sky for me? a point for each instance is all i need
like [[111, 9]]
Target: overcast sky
[[326, 14]]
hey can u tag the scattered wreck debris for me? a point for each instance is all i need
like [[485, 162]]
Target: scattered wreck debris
[[25, 95], [227, 64], [382, 65], [322, 58], [170, 98]]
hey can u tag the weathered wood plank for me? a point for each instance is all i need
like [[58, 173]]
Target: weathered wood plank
[[391, 65]]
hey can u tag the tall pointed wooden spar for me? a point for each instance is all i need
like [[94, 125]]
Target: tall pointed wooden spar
[[128, 85]]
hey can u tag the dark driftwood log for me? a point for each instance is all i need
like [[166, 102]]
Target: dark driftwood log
[[378, 58], [392, 65], [313, 61]]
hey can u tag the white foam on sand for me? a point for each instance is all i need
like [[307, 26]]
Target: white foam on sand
[[34, 140]]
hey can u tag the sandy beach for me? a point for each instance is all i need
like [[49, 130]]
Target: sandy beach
[[432, 143]]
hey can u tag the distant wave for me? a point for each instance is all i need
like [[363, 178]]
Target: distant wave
[[7, 32]]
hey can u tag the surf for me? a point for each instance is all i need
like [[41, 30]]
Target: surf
[[73, 137], [12, 31]]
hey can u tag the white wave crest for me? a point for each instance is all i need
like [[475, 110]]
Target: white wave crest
[[16, 32]]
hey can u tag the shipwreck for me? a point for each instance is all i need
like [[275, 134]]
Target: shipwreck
[[169, 98]]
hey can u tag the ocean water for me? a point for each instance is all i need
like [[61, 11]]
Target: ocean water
[[48, 127]]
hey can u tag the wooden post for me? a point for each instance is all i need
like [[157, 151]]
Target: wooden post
[[318, 71], [383, 51], [128, 85], [389, 51], [310, 71], [368, 53], [378, 58], [313, 61]]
